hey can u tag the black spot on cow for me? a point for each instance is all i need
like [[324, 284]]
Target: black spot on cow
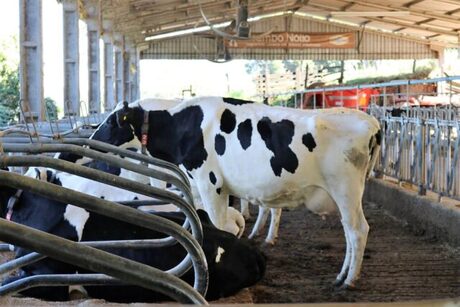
[[235, 101], [309, 141], [277, 137], [177, 138], [378, 138], [133, 149], [67, 156], [212, 178], [219, 144], [227, 121], [135, 198], [218, 190], [244, 133], [102, 197], [104, 167]]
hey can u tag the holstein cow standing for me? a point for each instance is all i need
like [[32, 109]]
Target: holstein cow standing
[[272, 156], [235, 222], [233, 263]]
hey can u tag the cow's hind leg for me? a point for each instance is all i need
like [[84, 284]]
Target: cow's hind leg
[[260, 222], [346, 262], [356, 231]]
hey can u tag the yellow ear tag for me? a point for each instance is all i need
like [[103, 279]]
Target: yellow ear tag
[[124, 117]]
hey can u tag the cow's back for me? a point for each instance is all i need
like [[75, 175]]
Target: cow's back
[[271, 155]]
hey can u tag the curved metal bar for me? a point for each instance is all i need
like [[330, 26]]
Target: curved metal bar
[[97, 260], [50, 280], [20, 262], [34, 257], [114, 149], [118, 212], [119, 182], [133, 155], [113, 160]]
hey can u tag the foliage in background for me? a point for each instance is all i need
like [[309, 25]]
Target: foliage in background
[[9, 91], [51, 109], [9, 85]]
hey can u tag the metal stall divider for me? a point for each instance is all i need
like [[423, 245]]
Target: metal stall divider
[[200, 272]]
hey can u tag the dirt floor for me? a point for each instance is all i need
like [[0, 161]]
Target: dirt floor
[[400, 263]]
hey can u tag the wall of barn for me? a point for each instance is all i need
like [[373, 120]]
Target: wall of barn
[[374, 45]]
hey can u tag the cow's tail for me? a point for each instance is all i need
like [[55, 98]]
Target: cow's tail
[[374, 149]]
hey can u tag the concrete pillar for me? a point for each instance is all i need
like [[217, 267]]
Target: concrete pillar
[[31, 59], [127, 75], [134, 74], [119, 81], [94, 78], [109, 94], [71, 58]]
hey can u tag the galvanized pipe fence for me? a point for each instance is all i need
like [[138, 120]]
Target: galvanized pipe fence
[[92, 259], [421, 147], [421, 144]]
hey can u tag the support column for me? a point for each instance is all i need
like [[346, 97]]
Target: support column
[[134, 74], [31, 59], [126, 75], [109, 95], [94, 79], [71, 58], [119, 83]]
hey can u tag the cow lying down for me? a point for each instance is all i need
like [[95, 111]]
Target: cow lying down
[[271, 156], [233, 263]]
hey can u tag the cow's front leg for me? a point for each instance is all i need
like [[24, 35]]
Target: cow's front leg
[[215, 203], [260, 222], [244, 204], [274, 226]]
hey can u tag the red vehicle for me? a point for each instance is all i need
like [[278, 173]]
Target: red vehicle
[[350, 98]]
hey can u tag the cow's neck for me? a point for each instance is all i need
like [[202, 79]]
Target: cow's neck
[[175, 138]]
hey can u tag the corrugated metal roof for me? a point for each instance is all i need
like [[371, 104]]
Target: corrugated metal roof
[[436, 21], [373, 45]]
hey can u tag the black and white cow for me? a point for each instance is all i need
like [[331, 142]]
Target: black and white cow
[[233, 263], [272, 156]]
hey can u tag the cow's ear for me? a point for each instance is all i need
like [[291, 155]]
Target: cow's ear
[[123, 115]]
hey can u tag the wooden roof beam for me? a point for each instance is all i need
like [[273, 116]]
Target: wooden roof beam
[[411, 3], [415, 26], [400, 23], [414, 12]]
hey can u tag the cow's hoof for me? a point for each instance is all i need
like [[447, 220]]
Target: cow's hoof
[[270, 242], [253, 235], [338, 282], [347, 287]]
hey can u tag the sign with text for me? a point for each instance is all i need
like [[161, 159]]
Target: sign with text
[[298, 40]]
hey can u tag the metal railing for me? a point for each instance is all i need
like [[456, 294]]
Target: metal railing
[[421, 147], [394, 93], [45, 244]]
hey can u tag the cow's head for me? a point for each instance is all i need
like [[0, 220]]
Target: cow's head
[[233, 263], [120, 127]]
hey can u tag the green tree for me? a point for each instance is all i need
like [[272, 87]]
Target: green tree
[[259, 66], [9, 92]]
